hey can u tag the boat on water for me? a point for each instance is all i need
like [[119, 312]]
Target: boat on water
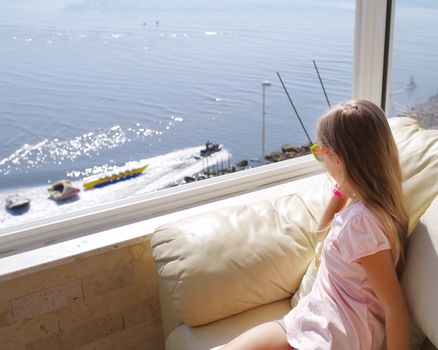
[[411, 85], [129, 171], [17, 202], [210, 148], [62, 190]]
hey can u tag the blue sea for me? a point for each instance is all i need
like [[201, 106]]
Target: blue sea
[[87, 85]]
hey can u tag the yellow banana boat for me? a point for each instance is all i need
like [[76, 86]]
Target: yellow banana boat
[[110, 177]]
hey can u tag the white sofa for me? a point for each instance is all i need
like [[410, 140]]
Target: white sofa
[[226, 271]]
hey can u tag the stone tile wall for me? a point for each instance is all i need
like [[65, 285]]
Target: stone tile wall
[[105, 300]]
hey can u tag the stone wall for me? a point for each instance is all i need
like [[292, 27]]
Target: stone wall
[[105, 300]]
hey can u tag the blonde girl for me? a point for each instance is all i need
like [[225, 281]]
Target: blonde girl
[[356, 300]]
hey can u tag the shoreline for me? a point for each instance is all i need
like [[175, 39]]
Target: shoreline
[[425, 113]]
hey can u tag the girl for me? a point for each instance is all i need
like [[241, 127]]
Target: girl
[[356, 299]]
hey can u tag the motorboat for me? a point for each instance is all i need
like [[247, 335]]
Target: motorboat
[[62, 190], [210, 148], [411, 85], [17, 202], [129, 171]]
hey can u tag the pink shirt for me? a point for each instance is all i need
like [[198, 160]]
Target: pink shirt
[[342, 311]]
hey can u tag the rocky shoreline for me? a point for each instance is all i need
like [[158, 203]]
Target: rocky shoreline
[[425, 113], [288, 151]]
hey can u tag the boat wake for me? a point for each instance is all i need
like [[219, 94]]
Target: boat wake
[[163, 171]]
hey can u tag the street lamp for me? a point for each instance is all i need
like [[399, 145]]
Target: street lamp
[[265, 84]]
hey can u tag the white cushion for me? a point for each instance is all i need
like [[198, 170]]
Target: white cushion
[[420, 280], [220, 263], [220, 332], [418, 151]]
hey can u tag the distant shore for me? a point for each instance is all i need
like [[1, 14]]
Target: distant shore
[[425, 113]]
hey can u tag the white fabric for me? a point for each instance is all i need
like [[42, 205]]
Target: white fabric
[[220, 332], [420, 280], [199, 258]]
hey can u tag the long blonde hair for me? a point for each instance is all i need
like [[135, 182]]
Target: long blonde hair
[[359, 133]]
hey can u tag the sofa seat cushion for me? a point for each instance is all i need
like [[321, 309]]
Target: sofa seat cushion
[[220, 332]]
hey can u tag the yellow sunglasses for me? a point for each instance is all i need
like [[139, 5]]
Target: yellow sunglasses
[[319, 152]]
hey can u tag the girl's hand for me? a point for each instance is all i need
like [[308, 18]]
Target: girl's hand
[[337, 191], [335, 205]]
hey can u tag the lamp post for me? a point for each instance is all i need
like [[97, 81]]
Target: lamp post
[[265, 83]]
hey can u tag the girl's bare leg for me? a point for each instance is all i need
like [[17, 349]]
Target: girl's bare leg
[[267, 336]]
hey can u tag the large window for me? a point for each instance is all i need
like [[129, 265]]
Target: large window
[[414, 83], [90, 86]]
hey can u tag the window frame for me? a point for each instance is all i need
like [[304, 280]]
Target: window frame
[[373, 50], [371, 67]]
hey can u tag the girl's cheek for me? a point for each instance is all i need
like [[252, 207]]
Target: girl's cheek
[[327, 164], [331, 169]]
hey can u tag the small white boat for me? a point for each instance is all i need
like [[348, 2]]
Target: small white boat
[[17, 202]]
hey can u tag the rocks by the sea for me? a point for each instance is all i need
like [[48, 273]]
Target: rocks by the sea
[[276, 156], [288, 152], [288, 148], [426, 113]]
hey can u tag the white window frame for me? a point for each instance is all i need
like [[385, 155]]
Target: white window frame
[[373, 50], [369, 75]]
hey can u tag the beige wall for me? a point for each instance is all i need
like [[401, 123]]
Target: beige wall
[[105, 300]]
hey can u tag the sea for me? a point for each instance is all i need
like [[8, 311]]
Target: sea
[[89, 85]]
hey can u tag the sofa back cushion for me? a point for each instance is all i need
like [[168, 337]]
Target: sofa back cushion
[[420, 280], [224, 262], [418, 150]]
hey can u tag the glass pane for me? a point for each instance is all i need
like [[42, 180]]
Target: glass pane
[[96, 86], [414, 84]]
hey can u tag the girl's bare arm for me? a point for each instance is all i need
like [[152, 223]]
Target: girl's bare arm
[[381, 273]]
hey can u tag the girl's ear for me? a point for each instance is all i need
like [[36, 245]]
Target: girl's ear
[[339, 168], [337, 159]]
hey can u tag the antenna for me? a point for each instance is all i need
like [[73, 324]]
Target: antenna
[[293, 106], [322, 85]]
